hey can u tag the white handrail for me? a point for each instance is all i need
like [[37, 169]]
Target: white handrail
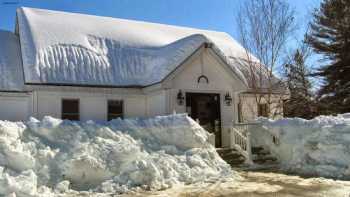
[[241, 142], [240, 138]]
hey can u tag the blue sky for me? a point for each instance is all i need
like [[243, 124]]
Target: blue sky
[[206, 14]]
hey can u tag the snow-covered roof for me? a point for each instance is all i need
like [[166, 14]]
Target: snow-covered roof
[[10, 63], [70, 48]]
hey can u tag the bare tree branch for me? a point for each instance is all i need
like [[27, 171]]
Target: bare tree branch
[[265, 27]]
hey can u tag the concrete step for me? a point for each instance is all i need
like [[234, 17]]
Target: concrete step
[[257, 149], [232, 154], [263, 157], [223, 151], [239, 158], [265, 160], [262, 153], [235, 162], [260, 168]]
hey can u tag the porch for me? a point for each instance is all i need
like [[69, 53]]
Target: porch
[[242, 151]]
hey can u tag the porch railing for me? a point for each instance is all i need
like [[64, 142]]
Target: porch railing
[[240, 139]]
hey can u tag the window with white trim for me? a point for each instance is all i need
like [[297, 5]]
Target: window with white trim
[[115, 109], [70, 109]]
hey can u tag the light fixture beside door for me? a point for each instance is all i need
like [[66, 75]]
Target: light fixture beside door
[[228, 99], [180, 98]]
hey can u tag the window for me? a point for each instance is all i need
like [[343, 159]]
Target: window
[[70, 109], [115, 109], [263, 110]]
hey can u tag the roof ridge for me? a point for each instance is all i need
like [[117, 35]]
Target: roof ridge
[[123, 19]]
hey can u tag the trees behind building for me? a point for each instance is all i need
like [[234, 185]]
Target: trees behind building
[[265, 28], [301, 102], [330, 37]]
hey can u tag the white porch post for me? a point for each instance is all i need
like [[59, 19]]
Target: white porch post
[[232, 138], [249, 160]]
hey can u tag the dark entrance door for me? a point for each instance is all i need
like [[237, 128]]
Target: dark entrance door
[[205, 108]]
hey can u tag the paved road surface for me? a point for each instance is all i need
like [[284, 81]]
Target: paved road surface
[[260, 184]]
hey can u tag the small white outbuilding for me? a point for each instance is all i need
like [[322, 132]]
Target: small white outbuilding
[[83, 67]]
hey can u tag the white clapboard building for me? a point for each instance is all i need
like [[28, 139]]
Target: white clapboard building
[[83, 67]]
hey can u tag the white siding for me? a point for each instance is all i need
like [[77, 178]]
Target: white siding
[[93, 106], [250, 106], [220, 82], [156, 103], [15, 107], [135, 106], [48, 105]]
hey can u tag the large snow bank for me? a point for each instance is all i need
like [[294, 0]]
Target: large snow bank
[[43, 158], [313, 147]]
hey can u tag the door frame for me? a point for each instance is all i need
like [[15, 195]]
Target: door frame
[[217, 137]]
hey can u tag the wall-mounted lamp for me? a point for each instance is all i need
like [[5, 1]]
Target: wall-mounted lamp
[[180, 98], [228, 99]]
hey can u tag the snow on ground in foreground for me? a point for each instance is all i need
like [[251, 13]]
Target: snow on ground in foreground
[[48, 157], [258, 184], [318, 147]]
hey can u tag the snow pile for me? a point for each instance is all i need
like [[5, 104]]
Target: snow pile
[[43, 158], [313, 147]]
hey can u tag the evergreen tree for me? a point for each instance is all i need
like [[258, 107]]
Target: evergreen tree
[[330, 37], [301, 102]]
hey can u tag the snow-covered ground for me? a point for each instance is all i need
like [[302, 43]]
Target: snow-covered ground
[[167, 156], [258, 184], [52, 157], [318, 147]]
